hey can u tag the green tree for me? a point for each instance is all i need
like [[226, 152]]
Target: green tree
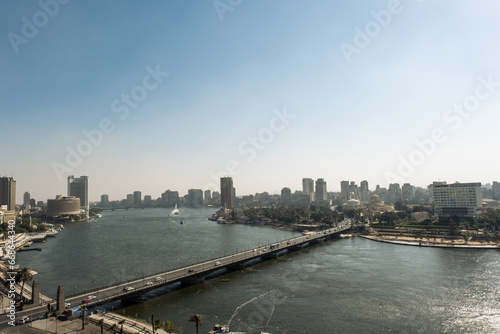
[[169, 326], [101, 324], [114, 328], [197, 319], [83, 309], [121, 322], [23, 275]]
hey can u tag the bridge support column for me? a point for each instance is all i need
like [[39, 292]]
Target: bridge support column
[[35, 293], [61, 299], [272, 255], [192, 280]]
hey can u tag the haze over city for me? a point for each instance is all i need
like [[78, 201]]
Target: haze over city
[[163, 95]]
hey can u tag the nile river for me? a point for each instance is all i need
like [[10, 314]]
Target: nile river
[[343, 286]]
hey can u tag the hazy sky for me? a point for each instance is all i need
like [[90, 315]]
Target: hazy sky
[[171, 94]]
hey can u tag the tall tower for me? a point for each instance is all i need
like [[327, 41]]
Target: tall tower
[[364, 192], [226, 193], [137, 198], [26, 198], [8, 192], [79, 187], [307, 185], [344, 191], [321, 194]]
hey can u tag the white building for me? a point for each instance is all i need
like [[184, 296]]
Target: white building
[[460, 199]]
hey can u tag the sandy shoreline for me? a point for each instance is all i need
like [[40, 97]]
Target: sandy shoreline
[[431, 242]]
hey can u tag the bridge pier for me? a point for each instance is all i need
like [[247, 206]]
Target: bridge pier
[[272, 255], [236, 266], [193, 280], [298, 247], [135, 299]]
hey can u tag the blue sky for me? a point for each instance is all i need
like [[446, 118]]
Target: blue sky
[[351, 115]]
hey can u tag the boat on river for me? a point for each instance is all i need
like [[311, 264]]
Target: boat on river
[[175, 211]]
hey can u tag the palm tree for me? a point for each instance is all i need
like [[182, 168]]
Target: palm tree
[[114, 328], [82, 309], [197, 319], [101, 323], [169, 326], [121, 322], [23, 275]]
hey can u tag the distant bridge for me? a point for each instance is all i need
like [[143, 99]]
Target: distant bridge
[[133, 290]]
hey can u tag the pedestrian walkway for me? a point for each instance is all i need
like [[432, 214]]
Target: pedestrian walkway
[[129, 326]]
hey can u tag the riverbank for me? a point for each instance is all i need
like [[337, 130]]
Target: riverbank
[[432, 242]]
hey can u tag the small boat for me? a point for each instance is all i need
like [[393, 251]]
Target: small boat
[[98, 215], [221, 221], [182, 222], [175, 211]]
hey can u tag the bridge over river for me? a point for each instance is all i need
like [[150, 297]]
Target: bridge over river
[[132, 291]]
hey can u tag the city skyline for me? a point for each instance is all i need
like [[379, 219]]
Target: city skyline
[[362, 190], [140, 96]]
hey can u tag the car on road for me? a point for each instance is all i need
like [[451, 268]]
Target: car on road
[[217, 263], [86, 300], [191, 271], [149, 283], [128, 288], [92, 297], [158, 279], [67, 305], [24, 319]]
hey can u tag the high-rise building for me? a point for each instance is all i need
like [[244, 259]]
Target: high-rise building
[[344, 191], [216, 198], [137, 198], [496, 189], [407, 192], [321, 193], [226, 193], [208, 197], [460, 199], [130, 199], [170, 198], [195, 198], [148, 200], [308, 186], [286, 195], [364, 192], [8, 192], [393, 193], [353, 190], [104, 200], [26, 198], [79, 188]]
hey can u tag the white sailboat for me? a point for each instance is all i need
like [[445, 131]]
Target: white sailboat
[[175, 211]]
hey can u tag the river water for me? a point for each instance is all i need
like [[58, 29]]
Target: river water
[[342, 286]]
